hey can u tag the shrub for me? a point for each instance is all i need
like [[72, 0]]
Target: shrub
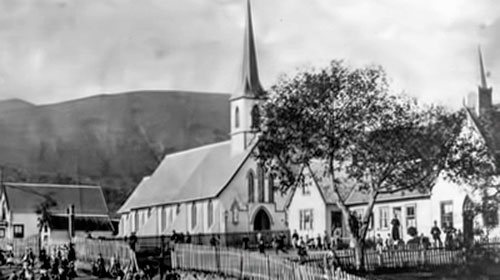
[[412, 231]]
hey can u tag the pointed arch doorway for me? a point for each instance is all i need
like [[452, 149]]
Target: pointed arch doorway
[[261, 221]]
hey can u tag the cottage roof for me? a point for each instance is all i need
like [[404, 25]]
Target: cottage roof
[[195, 174], [27, 198], [358, 197], [82, 223]]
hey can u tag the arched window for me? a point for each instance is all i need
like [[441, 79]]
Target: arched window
[[271, 187], [163, 218], [136, 221], [210, 213], [255, 117], [235, 213], [260, 183], [250, 178], [193, 215], [237, 117]]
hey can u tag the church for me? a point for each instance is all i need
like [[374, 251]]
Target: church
[[217, 188]]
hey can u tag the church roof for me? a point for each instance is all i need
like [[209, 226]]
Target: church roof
[[250, 74], [195, 174], [27, 198]]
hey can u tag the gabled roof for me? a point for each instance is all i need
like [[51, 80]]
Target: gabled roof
[[94, 223], [27, 198], [358, 197], [195, 174]]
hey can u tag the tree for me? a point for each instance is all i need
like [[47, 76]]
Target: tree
[[366, 139]]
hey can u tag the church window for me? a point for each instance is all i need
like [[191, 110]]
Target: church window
[[193, 215], [163, 218], [237, 117], [306, 219], [235, 213], [260, 182], [210, 213], [255, 117], [250, 178], [136, 221], [271, 187]]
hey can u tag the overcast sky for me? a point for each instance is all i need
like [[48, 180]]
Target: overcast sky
[[56, 50]]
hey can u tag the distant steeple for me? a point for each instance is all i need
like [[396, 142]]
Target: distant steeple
[[250, 84], [482, 72]]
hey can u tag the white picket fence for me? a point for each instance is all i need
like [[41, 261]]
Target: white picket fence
[[251, 265]]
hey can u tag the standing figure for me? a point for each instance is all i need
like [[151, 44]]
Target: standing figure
[[295, 238], [395, 227], [436, 235]]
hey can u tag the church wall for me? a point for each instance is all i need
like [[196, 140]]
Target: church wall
[[236, 195]]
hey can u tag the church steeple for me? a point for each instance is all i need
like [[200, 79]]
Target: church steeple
[[482, 72], [250, 83], [245, 101], [484, 101]]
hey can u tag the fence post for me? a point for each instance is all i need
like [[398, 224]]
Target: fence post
[[241, 264], [162, 255], [268, 267]]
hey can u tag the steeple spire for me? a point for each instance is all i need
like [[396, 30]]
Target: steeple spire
[[484, 84], [250, 86]]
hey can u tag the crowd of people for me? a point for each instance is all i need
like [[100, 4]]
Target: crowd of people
[[59, 265]]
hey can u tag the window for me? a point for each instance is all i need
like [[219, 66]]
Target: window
[[446, 214], [18, 231], [171, 216], [149, 213], [306, 219], [193, 215], [163, 218], [178, 209], [136, 221], [384, 217], [271, 187], [235, 213], [250, 186], [306, 189], [2, 232], [237, 117], [210, 213], [260, 183], [255, 117], [411, 213]]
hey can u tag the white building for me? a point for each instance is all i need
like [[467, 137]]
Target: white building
[[216, 188]]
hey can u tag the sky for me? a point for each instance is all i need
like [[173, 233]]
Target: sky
[[58, 50]]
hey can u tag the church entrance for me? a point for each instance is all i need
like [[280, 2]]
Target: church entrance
[[261, 221]]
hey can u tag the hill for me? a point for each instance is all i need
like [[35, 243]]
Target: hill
[[111, 140]]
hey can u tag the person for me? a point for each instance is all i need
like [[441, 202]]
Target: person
[[115, 270], [302, 252], [395, 227], [42, 256], [174, 238], [450, 232], [44, 275], [72, 253], [71, 271], [214, 241], [389, 242], [188, 238], [132, 241], [337, 234], [101, 267], [327, 241], [459, 239], [295, 238], [246, 242], [28, 257], [379, 243], [319, 244], [436, 235], [262, 245]]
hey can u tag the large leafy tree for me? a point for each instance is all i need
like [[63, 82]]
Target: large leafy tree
[[348, 120]]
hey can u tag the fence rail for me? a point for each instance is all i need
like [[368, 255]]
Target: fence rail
[[251, 265]]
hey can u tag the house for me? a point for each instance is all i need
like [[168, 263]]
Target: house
[[217, 188], [22, 206], [312, 208]]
